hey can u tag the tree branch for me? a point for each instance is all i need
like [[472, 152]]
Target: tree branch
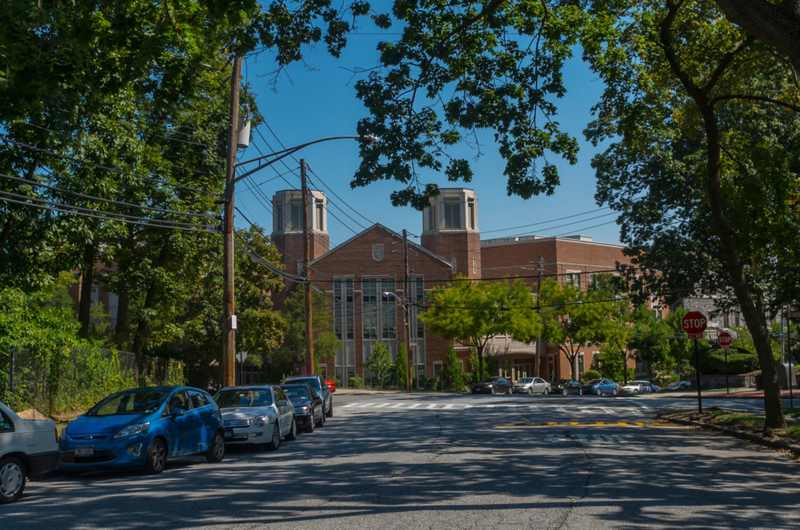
[[756, 98], [776, 25], [719, 71]]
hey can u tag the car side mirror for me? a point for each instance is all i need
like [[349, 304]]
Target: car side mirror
[[174, 413]]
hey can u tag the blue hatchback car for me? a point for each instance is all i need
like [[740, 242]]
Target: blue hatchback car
[[143, 427]]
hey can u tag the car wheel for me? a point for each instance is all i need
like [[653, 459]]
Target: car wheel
[[635, 391], [545, 391], [292, 434], [12, 479], [321, 422], [494, 391], [510, 390], [599, 391], [156, 457], [614, 392], [564, 392], [330, 411], [580, 392], [216, 452], [312, 423], [273, 444], [530, 390]]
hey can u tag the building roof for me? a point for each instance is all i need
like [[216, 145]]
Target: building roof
[[390, 233]]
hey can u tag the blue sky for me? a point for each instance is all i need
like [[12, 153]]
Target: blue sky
[[317, 99]]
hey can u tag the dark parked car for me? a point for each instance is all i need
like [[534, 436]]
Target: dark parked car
[[679, 385], [567, 386], [493, 385], [307, 406], [317, 382]]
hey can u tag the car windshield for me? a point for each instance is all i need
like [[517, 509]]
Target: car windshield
[[525, 380], [243, 397], [131, 402], [594, 382], [491, 380], [313, 381], [562, 381], [296, 393], [638, 383]]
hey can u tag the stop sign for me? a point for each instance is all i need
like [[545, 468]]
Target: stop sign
[[725, 340], [694, 323]]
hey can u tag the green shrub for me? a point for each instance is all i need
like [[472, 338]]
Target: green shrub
[[356, 382], [431, 383], [452, 379], [588, 375]]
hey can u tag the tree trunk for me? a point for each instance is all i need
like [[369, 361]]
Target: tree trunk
[[480, 363], [121, 329], [5, 233], [142, 328], [750, 304], [87, 279]]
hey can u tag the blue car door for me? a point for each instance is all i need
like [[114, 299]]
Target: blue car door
[[181, 426], [206, 419]]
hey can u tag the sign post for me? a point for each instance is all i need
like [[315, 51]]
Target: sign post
[[694, 323], [724, 341]]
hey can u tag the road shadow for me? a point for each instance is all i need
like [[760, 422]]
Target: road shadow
[[388, 467]]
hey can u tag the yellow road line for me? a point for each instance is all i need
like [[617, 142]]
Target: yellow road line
[[595, 424]]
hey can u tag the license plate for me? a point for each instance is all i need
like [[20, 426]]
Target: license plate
[[84, 450]]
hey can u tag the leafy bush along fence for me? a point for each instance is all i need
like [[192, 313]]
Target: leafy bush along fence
[[61, 382]]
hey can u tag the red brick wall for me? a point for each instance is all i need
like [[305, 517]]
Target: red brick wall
[[355, 260]]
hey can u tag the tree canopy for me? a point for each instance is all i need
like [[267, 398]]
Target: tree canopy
[[479, 311]]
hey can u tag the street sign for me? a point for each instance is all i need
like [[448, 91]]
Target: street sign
[[725, 340], [694, 323]]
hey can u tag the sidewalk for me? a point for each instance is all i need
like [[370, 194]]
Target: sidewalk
[[735, 393], [387, 392]]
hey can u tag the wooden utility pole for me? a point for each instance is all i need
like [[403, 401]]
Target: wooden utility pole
[[406, 315], [306, 270], [229, 317], [537, 357]]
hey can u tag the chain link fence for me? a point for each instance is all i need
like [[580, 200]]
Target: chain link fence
[[65, 383]]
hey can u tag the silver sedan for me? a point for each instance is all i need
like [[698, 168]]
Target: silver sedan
[[532, 385]]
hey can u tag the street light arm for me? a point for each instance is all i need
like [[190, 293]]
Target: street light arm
[[291, 150]]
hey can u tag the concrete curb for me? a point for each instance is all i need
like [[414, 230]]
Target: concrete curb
[[750, 437]]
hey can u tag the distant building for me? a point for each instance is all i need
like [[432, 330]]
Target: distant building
[[357, 273]]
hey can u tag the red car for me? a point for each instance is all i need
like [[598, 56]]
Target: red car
[[331, 385]]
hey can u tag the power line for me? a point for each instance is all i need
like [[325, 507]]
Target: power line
[[138, 223], [99, 199], [570, 224], [106, 168], [162, 222], [545, 222], [343, 201]]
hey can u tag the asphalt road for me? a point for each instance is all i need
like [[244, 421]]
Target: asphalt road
[[451, 462]]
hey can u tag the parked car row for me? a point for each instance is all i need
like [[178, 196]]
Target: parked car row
[[537, 385], [146, 427]]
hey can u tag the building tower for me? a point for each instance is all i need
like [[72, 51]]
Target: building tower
[[287, 232], [450, 230]]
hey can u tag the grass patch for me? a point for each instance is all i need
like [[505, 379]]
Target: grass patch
[[793, 412], [726, 417]]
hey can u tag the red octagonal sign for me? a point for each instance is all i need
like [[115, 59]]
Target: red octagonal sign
[[725, 340], [694, 323]]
